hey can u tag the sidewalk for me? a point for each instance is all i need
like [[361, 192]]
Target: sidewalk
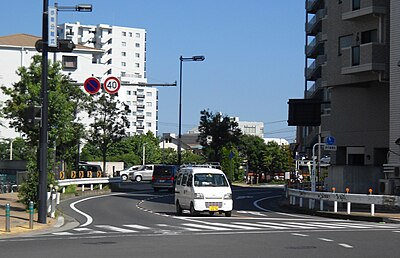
[[19, 217]]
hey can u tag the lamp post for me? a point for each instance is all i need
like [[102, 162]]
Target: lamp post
[[44, 95], [183, 59], [144, 153]]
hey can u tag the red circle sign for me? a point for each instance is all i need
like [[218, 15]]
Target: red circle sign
[[112, 85], [92, 85]]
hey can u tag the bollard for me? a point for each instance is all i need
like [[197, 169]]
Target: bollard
[[372, 209], [348, 207], [7, 217], [321, 205], [335, 206], [301, 202], [53, 204], [30, 215]]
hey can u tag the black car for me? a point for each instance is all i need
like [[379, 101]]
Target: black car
[[164, 177]]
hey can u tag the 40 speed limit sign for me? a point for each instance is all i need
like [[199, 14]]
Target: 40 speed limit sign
[[112, 85]]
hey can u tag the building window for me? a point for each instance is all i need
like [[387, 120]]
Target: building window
[[137, 55], [138, 35], [123, 43], [70, 62], [137, 65], [345, 41], [123, 63], [149, 104], [123, 74], [124, 34], [149, 94], [128, 93], [369, 36], [148, 114], [355, 55], [356, 5], [137, 75], [137, 44], [130, 34], [148, 124], [123, 53]]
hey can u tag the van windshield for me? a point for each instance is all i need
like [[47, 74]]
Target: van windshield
[[208, 179]]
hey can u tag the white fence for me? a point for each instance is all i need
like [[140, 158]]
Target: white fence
[[369, 199], [87, 181]]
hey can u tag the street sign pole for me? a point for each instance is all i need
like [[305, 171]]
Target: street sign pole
[[42, 191], [313, 179]]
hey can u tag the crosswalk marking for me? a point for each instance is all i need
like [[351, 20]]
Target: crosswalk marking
[[137, 227], [196, 226], [117, 229], [205, 226]]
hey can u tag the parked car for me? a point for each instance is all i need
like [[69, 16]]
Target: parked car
[[143, 173], [124, 174], [202, 189], [164, 177]]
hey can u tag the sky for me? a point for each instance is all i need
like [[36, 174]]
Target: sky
[[254, 53]]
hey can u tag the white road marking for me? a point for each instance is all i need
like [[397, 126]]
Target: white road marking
[[301, 235], [326, 239], [117, 229], [62, 233], [137, 227], [183, 228], [255, 203], [204, 226], [345, 245]]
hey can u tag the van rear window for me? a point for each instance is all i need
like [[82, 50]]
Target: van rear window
[[209, 180]]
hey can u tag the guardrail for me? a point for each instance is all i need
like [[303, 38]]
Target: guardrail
[[369, 199], [88, 181]]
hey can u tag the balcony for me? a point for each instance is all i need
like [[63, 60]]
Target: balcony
[[315, 24], [313, 72], [312, 6], [140, 96], [316, 46], [317, 85], [140, 127], [140, 117], [373, 57], [366, 9], [140, 106]]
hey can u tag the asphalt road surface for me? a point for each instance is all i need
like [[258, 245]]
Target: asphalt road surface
[[142, 223]]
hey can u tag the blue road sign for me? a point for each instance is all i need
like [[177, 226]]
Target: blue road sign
[[92, 85], [330, 140]]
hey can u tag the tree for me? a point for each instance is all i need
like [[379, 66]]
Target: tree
[[252, 147], [109, 122], [277, 158], [217, 131], [63, 106]]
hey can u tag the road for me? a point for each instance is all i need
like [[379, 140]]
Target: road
[[143, 224]]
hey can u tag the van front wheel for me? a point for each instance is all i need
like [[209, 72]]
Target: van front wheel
[[178, 208], [193, 212], [228, 213]]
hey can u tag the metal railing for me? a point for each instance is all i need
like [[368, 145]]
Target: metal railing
[[369, 199], [88, 181]]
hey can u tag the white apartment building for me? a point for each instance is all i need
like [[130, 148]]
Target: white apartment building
[[17, 50], [123, 56], [250, 128]]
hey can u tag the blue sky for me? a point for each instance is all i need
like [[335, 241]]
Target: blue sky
[[254, 53]]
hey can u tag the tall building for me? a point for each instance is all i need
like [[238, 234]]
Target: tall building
[[352, 48], [124, 56]]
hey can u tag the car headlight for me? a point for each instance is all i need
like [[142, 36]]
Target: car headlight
[[198, 196], [228, 196]]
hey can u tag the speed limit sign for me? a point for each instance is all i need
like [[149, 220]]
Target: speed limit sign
[[112, 85]]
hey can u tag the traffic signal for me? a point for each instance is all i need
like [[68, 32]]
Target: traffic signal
[[63, 45], [32, 115]]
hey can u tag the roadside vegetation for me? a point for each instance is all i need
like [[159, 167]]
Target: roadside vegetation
[[105, 139]]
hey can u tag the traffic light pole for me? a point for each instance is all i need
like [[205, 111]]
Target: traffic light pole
[[42, 191]]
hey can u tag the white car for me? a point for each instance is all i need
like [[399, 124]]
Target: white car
[[124, 174], [202, 189], [143, 173]]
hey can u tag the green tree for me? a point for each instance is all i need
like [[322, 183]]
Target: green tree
[[109, 122], [217, 131], [19, 149], [277, 158], [230, 163], [252, 148], [63, 105]]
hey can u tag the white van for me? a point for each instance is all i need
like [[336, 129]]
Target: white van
[[203, 189]]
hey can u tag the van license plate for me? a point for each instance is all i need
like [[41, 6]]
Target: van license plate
[[213, 208]]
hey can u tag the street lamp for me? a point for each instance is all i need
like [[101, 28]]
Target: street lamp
[[43, 145], [11, 145], [183, 59], [144, 153]]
